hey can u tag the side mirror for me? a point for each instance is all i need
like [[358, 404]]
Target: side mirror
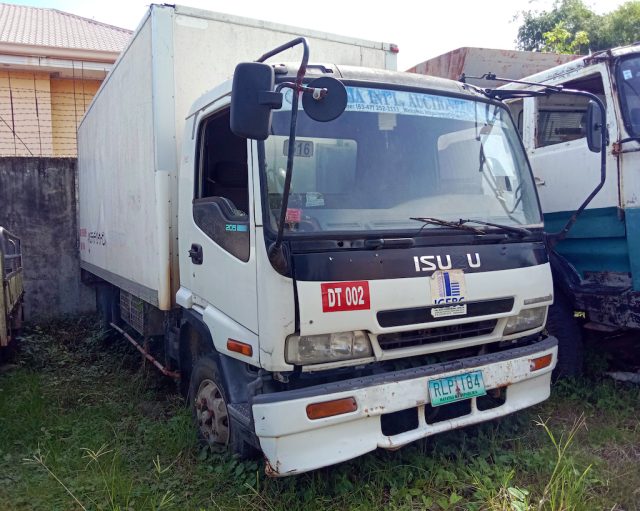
[[595, 125], [328, 106], [252, 99]]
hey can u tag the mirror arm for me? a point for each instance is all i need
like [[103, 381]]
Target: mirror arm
[[276, 254], [318, 93], [502, 94], [555, 238]]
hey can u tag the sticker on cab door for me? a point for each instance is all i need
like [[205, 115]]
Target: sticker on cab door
[[345, 296]]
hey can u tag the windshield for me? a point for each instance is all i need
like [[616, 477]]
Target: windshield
[[628, 79], [393, 155]]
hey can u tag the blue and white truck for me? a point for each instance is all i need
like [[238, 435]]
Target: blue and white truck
[[596, 266]]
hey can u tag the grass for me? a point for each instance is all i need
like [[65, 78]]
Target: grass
[[84, 426]]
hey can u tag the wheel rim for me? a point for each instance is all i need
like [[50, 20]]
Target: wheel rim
[[211, 413]]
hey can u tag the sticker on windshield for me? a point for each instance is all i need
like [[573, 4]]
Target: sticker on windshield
[[302, 148], [363, 99], [293, 216], [627, 74], [345, 296], [448, 286], [314, 199]]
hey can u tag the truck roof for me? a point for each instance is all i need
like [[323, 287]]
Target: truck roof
[[287, 72], [553, 73]]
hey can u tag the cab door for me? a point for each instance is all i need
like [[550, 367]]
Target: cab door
[[217, 231], [565, 171]]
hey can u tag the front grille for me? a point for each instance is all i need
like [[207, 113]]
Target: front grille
[[415, 315], [424, 336]]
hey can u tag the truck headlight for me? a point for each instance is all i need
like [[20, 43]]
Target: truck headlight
[[317, 349], [528, 319]]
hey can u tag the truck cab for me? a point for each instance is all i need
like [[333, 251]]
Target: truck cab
[[413, 284], [597, 266]]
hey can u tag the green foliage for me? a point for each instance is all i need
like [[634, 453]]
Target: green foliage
[[84, 426], [572, 27], [567, 487], [623, 24], [560, 40]]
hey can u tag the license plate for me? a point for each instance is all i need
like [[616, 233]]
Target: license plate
[[456, 388]]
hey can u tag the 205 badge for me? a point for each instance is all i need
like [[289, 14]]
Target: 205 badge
[[448, 287]]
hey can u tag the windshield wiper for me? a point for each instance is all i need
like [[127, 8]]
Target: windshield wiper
[[461, 224], [509, 228], [446, 223]]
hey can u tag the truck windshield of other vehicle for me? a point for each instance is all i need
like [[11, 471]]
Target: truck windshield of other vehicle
[[393, 155], [628, 79]]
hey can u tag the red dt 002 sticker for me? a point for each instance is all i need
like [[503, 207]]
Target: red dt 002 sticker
[[345, 296]]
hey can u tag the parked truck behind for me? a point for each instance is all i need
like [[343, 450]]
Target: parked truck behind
[[12, 292], [330, 258], [596, 266]]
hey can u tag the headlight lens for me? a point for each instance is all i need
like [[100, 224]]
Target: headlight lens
[[528, 319], [317, 349]]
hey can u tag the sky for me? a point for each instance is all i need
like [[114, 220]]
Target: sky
[[421, 28]]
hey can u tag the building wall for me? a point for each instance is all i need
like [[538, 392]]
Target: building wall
[[39, 113], [69, 102], [25, 114], [38, 204]]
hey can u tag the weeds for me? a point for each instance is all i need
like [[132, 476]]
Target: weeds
[[97, 432], [568, 487], [38, 459]]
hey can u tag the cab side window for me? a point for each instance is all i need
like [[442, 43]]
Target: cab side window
[[562, 118], [221, 195]]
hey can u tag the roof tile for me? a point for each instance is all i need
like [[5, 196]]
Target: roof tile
[[50, 27]]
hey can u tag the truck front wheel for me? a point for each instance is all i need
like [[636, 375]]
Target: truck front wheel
[[208, 401], [562, 325]]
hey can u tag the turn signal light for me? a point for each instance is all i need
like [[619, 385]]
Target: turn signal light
[[535, 364], [331, 408], [239, 347]]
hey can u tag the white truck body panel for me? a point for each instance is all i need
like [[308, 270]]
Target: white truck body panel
[[130, 138]]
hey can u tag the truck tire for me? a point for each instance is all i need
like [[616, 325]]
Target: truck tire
[[108, 304], [562, 325], [208, 401]]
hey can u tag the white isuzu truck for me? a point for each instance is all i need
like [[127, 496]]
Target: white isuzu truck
[[329, 257]]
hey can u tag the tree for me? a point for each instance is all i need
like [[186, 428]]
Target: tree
[[560, 40], [624, 24], [572, 27]]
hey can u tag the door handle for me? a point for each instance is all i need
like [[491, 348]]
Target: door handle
[[539, 181], [195, 253]]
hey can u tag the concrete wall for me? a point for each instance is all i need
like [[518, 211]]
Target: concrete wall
[[38, 204]]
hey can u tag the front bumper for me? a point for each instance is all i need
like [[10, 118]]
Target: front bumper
[[293, 443]]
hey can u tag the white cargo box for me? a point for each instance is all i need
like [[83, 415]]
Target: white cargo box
[[129, 140]]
